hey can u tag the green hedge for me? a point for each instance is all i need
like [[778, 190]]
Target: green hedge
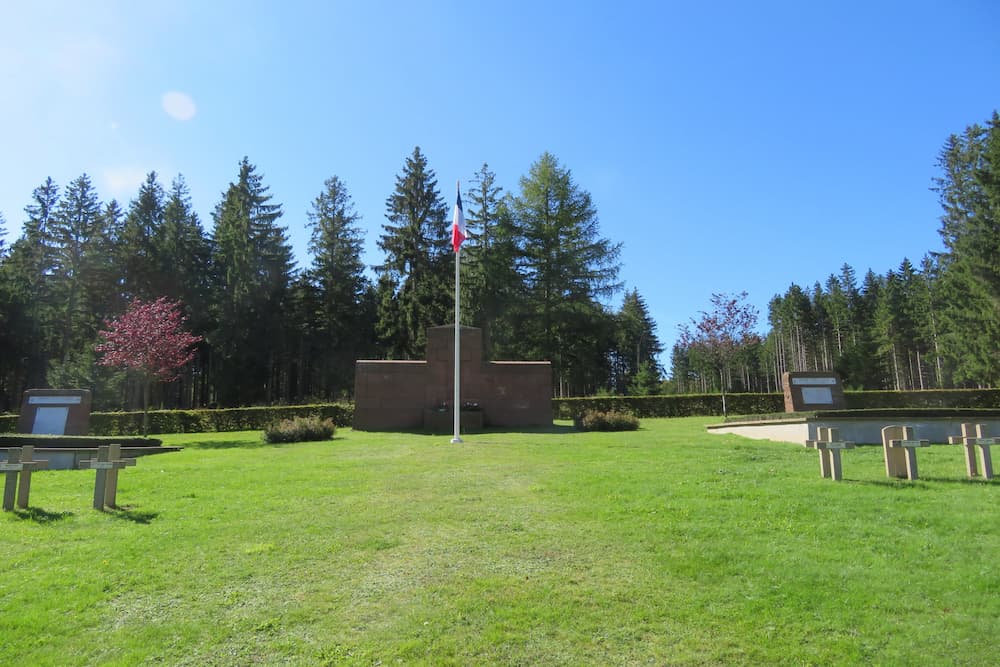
[[934, 398], [200, 421], [685, 405], [688, 405]]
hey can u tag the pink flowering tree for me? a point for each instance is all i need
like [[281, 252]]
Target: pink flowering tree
[[151, 340]]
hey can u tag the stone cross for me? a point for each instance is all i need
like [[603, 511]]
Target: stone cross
[[19, 464], [829, 445], [107, 464], [974, 435], [900, 449]]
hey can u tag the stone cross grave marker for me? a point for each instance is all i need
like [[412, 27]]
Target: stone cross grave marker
[[18, 468], [107, 464], [974, 435], [829, 446], [900, 449]]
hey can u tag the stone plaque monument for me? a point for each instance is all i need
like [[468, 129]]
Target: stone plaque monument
[[55, 412], [400, 395], [813, 390]]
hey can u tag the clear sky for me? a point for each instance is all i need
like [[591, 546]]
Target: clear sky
[[729, 146]]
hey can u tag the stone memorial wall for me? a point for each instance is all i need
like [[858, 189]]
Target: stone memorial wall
[[401, 395], [813, 390]]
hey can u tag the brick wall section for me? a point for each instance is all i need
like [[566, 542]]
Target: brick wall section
[[392, 395]]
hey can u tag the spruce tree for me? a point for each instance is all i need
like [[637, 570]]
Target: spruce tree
[[136, 247], [415, 288], [28, 279], [182, 254], [969, 193], [77, 234], [491, 282], [341, 291], [252, 264], [636, 345]]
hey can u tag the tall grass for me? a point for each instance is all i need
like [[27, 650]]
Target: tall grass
[[660, 546]]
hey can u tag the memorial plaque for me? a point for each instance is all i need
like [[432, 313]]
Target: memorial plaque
[[817, 395], [820, 390], [55, 412], [50, 420]]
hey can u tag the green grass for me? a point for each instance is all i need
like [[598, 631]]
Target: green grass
[[661, 546]]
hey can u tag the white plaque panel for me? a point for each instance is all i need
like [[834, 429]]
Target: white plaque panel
[[817, 396], [54, 400], [50, 421], [830, 381]]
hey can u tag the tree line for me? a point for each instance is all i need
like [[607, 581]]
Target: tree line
[[537, 277], [926, 326]]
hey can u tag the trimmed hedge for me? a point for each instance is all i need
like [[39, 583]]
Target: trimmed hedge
[[933, 398], [690, 405], [685, 405], [201, 421]]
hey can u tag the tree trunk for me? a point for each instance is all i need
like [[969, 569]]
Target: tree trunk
[[146, 386]]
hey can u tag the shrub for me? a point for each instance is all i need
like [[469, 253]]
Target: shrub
[[593, 420], [299, 429]]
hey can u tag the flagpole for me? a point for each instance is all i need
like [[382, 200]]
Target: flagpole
[[456, 405]]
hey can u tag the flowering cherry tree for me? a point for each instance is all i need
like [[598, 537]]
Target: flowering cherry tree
[[148, 338]]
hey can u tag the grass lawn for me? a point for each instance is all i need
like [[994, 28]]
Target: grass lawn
[[662, 546]]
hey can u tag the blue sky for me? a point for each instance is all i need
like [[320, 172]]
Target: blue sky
[[729, 146]]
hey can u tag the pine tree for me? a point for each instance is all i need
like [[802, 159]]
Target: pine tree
[[415, 279], [104, 274], [928, 312], [182, 253], [682, 375], [15, 332], [252, 264], [969, 193], [77, 234], [568, 268], [490, 280], [137, 246], [28, 279], [870, 368], [637, 345], [338, 288]]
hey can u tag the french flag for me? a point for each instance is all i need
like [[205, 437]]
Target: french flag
[[458, 224]]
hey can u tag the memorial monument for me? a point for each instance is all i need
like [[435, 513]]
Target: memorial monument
[[55, 412], [813, 390], [401, 395]]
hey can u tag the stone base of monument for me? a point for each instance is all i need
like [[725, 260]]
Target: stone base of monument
[[443, 421], [65, 452], [863, 427]]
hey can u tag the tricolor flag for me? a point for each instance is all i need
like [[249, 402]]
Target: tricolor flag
[[458, 224]]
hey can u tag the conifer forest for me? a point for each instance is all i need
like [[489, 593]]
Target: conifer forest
[[537, 276]]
